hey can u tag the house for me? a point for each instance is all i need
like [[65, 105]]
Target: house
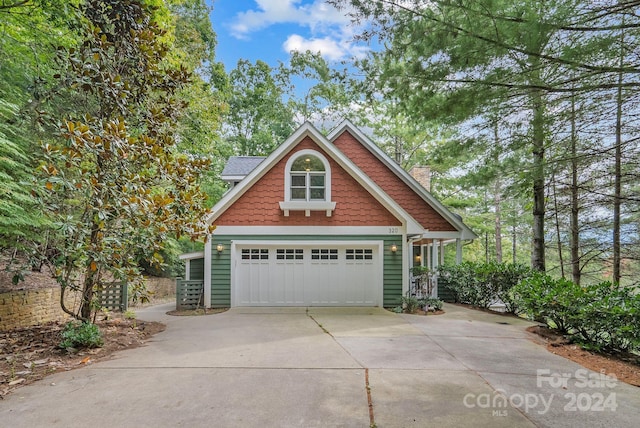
[[322, 221]]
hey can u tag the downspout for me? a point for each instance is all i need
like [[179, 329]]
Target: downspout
[[207, 272]]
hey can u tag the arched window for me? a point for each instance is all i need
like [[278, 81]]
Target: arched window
[[307, 183], [308, 179]]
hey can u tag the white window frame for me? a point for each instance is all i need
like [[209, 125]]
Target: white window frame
[[307, 206]]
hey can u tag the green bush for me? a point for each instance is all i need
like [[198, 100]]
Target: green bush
[[599, 316], [548, 300], [460, 279], [411, 304], [481, 284], [433, 302], [81, 335], [608, 317], [498, 281]]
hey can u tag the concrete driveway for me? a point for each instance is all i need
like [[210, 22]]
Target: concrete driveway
[[316, 367]]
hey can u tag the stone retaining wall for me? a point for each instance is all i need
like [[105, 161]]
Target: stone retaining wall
[[24, 308]]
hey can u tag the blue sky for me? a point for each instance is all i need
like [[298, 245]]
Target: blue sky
[[269, 29]]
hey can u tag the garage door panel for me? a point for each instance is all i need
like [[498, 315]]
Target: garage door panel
[[318, 274], [283, 283], [360, 276], [324, 286], [255, 273]]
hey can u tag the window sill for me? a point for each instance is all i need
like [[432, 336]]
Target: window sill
[[307, 207]]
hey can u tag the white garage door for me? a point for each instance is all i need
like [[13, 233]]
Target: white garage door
[[321, 274]]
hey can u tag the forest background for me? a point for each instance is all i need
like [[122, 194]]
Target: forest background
[[525, 112]]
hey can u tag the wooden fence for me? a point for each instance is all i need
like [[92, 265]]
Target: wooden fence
[[189, 294], [113, 296]]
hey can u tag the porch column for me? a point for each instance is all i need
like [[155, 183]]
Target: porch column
[[442, 251], [207, 273], [434, 254], [458, 250], [407, 263]]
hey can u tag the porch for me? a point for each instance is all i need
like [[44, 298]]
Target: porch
[[427, 253]]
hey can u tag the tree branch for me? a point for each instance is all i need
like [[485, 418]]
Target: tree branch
[[503, 45]]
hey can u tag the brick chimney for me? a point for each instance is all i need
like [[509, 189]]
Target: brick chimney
[[422, 174]]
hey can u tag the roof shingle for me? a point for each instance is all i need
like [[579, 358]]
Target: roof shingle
[[241, 166]]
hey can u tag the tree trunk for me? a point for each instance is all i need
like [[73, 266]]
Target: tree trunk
[[575, 208], [90, 278], [87, 294], [538, 251], [497, 198], [486, 247], [557, 221], [514, 255], [617, 190], [497, 201]]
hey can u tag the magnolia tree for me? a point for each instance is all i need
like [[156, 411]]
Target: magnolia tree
[[115, 185]]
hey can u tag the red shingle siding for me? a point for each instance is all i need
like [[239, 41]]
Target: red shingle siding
[[259, 205], [392, 184]]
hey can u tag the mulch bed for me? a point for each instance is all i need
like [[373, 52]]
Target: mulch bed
[[30, 354], [624, 366]]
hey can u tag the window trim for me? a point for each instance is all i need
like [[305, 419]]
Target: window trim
[[307, 206]]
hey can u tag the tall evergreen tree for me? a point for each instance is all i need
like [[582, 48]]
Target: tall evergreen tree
[[451, 60]]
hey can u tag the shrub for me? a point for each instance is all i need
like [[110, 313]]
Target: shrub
[[608, 317], [481, 284], [81, 335], [498, 281], [434, 303], [549, 300], [411, 304], [461, 281], [397, 309], [600, 316]]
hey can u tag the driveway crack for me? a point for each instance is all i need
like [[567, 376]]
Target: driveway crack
[[367, 387], [372, 421]]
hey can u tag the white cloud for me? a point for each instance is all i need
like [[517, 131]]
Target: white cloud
[[331, 49], [316, 15], [330, 30]]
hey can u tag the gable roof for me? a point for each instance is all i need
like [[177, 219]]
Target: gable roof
[[308, 130], [238, 167], [452, 218]]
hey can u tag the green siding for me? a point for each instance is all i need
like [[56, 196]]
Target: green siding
[[221, 272], [196, 269], [221, 263], [392, 273]]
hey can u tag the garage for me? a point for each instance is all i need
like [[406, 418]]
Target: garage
[[307, 274]]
